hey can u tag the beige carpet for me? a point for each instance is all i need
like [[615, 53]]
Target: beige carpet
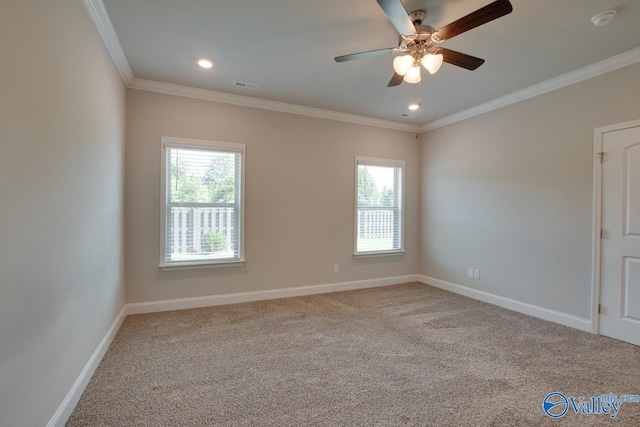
[[400, 355]]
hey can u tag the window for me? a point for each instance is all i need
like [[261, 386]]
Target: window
[[202, 203], [379, 201]]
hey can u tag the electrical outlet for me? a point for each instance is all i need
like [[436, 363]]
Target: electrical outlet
[[336, 268], [470, 272], [476, 274]]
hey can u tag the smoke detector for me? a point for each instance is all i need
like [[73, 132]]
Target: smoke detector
[[603, 18]]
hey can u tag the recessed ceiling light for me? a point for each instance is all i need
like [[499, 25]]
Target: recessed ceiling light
[[205, 63], [414, 107]]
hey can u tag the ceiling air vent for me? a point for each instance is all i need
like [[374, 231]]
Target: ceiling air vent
[[407, 116], [245, 85]]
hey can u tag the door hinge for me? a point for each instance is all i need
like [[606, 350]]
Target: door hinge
[[601, 233], [599, 308], [601, 155]]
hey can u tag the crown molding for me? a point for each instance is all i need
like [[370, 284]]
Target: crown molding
[[100, 17], [266, 104], [610, 64]]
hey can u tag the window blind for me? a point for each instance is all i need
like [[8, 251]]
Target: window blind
[[379, 216], [203, 205]]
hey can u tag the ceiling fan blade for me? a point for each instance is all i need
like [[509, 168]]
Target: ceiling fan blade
[[481, 16], [395, 80], [398, 16], [460, 59], [366, 54]]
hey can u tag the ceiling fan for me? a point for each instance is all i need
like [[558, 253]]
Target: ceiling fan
[[419, 43]]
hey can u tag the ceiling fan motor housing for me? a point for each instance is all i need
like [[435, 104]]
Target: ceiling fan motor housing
[[421, 42]]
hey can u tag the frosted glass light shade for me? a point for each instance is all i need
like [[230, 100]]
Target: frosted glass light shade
[[413, 75], [401, 64], [432, 62]]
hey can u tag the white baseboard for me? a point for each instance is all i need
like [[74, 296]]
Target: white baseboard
[[66, 407], [69, 403], [521, 307], [213, 300]]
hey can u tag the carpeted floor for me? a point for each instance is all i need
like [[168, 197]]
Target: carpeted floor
[[399, 355]]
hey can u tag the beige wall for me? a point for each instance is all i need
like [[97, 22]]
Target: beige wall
[[509, 192], [299, 197], [61, 192]]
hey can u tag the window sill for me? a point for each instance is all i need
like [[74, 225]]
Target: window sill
[[376, 254], [198, 265]]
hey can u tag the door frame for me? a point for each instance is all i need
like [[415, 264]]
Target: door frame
[[596, 283]]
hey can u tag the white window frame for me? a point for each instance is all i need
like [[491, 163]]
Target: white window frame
[[171, 142], [372, 161]]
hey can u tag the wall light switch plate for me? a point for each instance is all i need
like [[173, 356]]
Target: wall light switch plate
[[336, 268], [476, 274], [470, 272]]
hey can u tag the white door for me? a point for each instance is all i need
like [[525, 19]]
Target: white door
[[620, 279]]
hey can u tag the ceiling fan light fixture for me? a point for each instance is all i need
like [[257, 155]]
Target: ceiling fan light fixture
[[432, 62], [402, 64], [414, 107], [413, 75]]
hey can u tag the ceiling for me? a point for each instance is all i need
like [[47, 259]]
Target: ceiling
[[287, 47]]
